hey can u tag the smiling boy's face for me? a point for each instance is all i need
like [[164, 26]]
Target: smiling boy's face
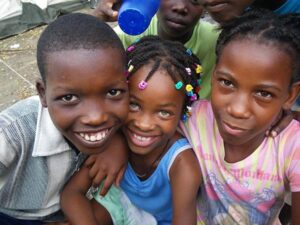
[[86, 94]]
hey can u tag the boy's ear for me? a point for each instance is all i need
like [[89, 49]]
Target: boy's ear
[[293, 94], [41, 89]]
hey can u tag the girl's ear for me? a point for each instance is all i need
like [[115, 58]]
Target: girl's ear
[[41, 89], [293, 94]]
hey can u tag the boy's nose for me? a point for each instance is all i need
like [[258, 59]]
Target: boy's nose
[[94, 115], [180, 7]]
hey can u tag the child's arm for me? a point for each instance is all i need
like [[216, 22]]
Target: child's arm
[[185, 179], [110, 164], [296, 208], [75, 205]]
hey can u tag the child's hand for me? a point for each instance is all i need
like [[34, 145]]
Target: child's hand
[[107, 10], [283, 122], [109, 165]]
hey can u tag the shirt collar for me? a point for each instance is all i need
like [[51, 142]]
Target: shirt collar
[[48, 139]]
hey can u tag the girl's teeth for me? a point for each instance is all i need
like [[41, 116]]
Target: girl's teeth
[[140, 138]]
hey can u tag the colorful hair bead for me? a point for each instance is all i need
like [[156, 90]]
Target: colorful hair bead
[[193, 97], [198, 69], [130, 48], [130, 68], [189, 51], [188, 70], [188, 87], [142, 85], [136, 40], [184, 117], [178, 85]]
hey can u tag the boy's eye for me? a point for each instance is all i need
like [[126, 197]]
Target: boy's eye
[[133, 106], [69, 98], [114, 93], [164, 114], [195, 2]]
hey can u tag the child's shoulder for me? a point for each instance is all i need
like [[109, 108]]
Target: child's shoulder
[[24, 108]]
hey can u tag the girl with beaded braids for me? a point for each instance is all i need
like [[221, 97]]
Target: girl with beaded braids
[[162, 177], [246, 175]]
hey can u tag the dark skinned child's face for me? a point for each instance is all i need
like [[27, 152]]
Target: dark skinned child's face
[[250, 88], [154, 112], [225, 10], [87, 95], [177, 19]]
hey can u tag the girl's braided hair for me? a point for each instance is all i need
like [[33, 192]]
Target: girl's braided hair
[[264, 26], [180, 64]]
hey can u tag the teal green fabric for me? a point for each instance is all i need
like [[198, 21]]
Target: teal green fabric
[[120, 208], [202, 43]]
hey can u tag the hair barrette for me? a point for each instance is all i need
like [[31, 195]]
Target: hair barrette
[[130, 68], [188, 70], [130, 48], [178, 85], [142, 85], [189, 51], [188, 87]]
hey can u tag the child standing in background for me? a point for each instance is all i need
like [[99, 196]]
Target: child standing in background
[[163, 176], [176, 20], [83, 102], [247, 175], [225, 11]]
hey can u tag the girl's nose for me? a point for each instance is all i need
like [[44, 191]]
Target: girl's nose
[[239, 108], [144, 123]]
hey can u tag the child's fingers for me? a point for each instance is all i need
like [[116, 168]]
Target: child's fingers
[[98, 178], [90, 161], [107, 184], [120, 176]]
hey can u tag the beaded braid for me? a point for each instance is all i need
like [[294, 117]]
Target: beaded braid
[[180, 63], [263, 26]]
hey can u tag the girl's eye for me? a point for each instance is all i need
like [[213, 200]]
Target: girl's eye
[[114, 93], [164, 114], [264, 94], [69, 98], [133, 106], [226, 83]]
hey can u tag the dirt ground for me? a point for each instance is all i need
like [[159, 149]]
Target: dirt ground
[[18, 68]]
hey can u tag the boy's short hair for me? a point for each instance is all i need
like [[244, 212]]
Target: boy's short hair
[[75, 31]]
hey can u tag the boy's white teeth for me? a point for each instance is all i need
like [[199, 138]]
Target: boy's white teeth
[[95, 136], [140, 138]]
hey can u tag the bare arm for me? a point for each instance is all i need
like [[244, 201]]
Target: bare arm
[[185, 176], [74, 203], [110, 164], [107, 10], [296, 208]]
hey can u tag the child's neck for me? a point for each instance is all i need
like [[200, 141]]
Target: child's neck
[[183, 38], [236, 153], [145, 165]]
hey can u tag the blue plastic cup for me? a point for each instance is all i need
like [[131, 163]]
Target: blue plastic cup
[[135, 15]]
